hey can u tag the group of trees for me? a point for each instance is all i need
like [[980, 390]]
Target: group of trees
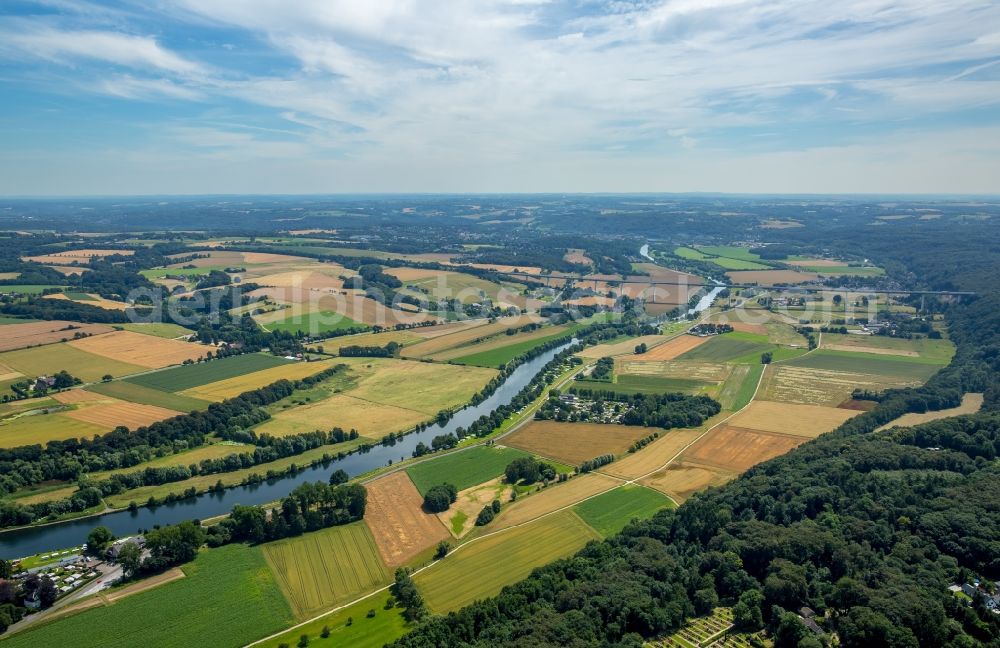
[[670, 410], [390, 350], [528, 470], [604, 369], [439, 498], [311, 506]]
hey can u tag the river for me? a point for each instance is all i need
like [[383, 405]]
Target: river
[[28, 541], [706, 299]]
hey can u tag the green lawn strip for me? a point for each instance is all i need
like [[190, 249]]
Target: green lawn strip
[[134, 393], [228, 598], [315, 323], [738, 389], [203, 373], [351, 626], [14, 320], [609, 512], [463, 469], [857, 271]]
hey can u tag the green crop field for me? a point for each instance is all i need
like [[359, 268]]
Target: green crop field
[[868, 363], [482, 568], [362, 631], [323, 569], [164, 330], [502, 355], [228, 598], [52, 358], [691, 254], [14, 320], [26, 289], [728, 347], [203, 373], [932, 351], [42, 428], [129, 391], [609, 512], [738, 389], [159, 273], [463, 469], [854, 271], [316, 323]]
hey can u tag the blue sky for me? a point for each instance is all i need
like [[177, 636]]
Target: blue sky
[[325, 96]]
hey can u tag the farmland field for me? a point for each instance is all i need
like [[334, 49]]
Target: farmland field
[[475, 572], [553, 498], [659, 452], [574, 443], [463, 469], [739, 388], [938, 351], [680, 479], [18, 334], [670, 349], [113, 413], [461, 517], [195, 375], [420, 386], [785, 418], [609, 512], [621, 348], [632, 384], [134, 393], [735, 449], [880, 365], [712, 372], [159, 329], [42, 428], [52, 358], [228, 598], [26, 289], [325, 568], [399, 525], [502, 354], [362, 632], [463, 336], [729, 347], [971, 403], [230, 387], [315, 323], [790, 383], [144, 350], [771, 277], [374, 420], [333, 345]]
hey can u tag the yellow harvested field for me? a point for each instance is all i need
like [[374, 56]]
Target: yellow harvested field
[[735, 449], [374, 420], [770, 277], [574, 443], [464, 336], [553, 498], [704, 371], [817, 263], [875, 350], [95, 300], [419, 386], [577, 256], [17, 336], [255, 258], [78, 396], [787, 383], [230, 387], [796, 419], [303, 280], [622, 348], [470, 502], [110, 415], [654, 456], [671, 349], [680, 480], [400, 526], [591, 300], [144, 350], [971, 403], [414, 274], [67, 270], [428, 332]]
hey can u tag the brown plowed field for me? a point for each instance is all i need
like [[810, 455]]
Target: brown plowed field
[[659, 452], [735, 449], [400, 526], [113, 414], [78, 396], [574, 443], [18, 336], [670, 350], [680, 480], [144, 350]]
